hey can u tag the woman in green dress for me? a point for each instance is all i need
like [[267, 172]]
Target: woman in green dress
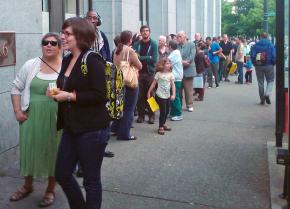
[[37, 114]]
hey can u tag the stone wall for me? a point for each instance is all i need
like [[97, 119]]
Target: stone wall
[[25, 19]]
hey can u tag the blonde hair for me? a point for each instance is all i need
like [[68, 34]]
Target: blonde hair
[[161, 63]]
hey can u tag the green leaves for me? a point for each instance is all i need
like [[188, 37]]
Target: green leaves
[[245, 17]]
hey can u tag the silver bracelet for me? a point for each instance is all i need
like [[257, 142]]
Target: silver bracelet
[[69, 97]]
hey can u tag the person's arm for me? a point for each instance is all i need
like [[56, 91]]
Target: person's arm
[[19, 115], [107, 47], [172, 97], [97, 85], [153, 84], [17, 89], [154, 56], [134, 60]]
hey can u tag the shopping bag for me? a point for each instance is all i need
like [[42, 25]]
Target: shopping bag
[[198, 82], [153, 104], [232, 68]]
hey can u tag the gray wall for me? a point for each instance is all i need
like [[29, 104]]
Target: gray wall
[[27, 24]]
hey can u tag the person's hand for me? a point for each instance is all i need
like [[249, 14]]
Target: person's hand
[[185, 63], [20, 116], [172, 97], [49, 93], [148, 96], [60, 96]]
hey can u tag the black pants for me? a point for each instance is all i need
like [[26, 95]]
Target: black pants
[[164, 109], [145, 81], [248, 76]]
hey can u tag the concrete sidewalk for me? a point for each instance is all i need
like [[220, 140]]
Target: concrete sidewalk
[[217, 157]]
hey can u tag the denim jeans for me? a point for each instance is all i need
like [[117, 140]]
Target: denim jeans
[[240, 72], [87, 148], [122, 127], [213, 70], [265, 72]]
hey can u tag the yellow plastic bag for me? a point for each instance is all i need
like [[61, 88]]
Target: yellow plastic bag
[[153, 104], [233, 68]]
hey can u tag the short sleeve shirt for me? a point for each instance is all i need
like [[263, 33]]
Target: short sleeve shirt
[[214, 58], [164, 84]]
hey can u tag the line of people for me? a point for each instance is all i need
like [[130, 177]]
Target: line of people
[[68, 125]]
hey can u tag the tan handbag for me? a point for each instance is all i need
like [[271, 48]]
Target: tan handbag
[[130, 73]]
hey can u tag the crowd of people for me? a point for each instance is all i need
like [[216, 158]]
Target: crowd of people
[[69, 125]]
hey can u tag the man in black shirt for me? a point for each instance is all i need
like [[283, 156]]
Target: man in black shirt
[[227, 47]]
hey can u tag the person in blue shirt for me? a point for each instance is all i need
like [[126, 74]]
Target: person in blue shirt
[[213, 51], [263, 55], [249, 68]]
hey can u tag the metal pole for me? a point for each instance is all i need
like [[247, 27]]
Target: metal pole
[[280, 95], [266, 18], [90, 5], [77, 8]]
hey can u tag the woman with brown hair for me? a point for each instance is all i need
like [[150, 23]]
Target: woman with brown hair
[[82, 115], [36, 115], [123, 52]]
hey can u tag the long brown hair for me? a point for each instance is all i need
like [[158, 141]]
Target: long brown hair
[[83, 31], [161, 63], [125, 38]]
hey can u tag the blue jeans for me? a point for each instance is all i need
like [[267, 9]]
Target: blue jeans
[[240, 66], [122, 127], [87, 148]]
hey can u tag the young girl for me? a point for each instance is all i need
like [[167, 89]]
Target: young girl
[[165, 79], [249, 69]]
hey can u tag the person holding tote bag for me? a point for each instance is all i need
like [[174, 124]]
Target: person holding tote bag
[[124, 52]]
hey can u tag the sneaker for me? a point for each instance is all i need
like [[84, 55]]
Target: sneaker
[[177, 118], [209, 87], [227, 80], [217, 86], [190, 109]]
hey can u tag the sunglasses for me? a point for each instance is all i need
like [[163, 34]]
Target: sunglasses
[[52, 43]]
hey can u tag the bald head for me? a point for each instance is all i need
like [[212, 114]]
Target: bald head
[[197, 36], [181, 37], [161, 41]]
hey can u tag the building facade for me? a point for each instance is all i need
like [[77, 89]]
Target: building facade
[[30, 19]]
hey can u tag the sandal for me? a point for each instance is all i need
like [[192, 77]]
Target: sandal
[[47, 200], [161, 131], [21, 193], [166, 128]]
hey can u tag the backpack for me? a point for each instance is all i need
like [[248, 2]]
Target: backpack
[[115, 86], [261, 58]]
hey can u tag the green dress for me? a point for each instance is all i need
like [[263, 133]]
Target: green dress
[[39, 138]]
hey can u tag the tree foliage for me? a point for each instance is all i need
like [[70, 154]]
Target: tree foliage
[[245, 17]]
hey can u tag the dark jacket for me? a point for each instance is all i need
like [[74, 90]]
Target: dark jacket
[[151, 57], [264, 45], [199, 62], [89, 112], [105, 50]]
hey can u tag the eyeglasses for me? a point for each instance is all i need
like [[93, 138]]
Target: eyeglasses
[[92, 18], [65, 33], [52, 43]]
